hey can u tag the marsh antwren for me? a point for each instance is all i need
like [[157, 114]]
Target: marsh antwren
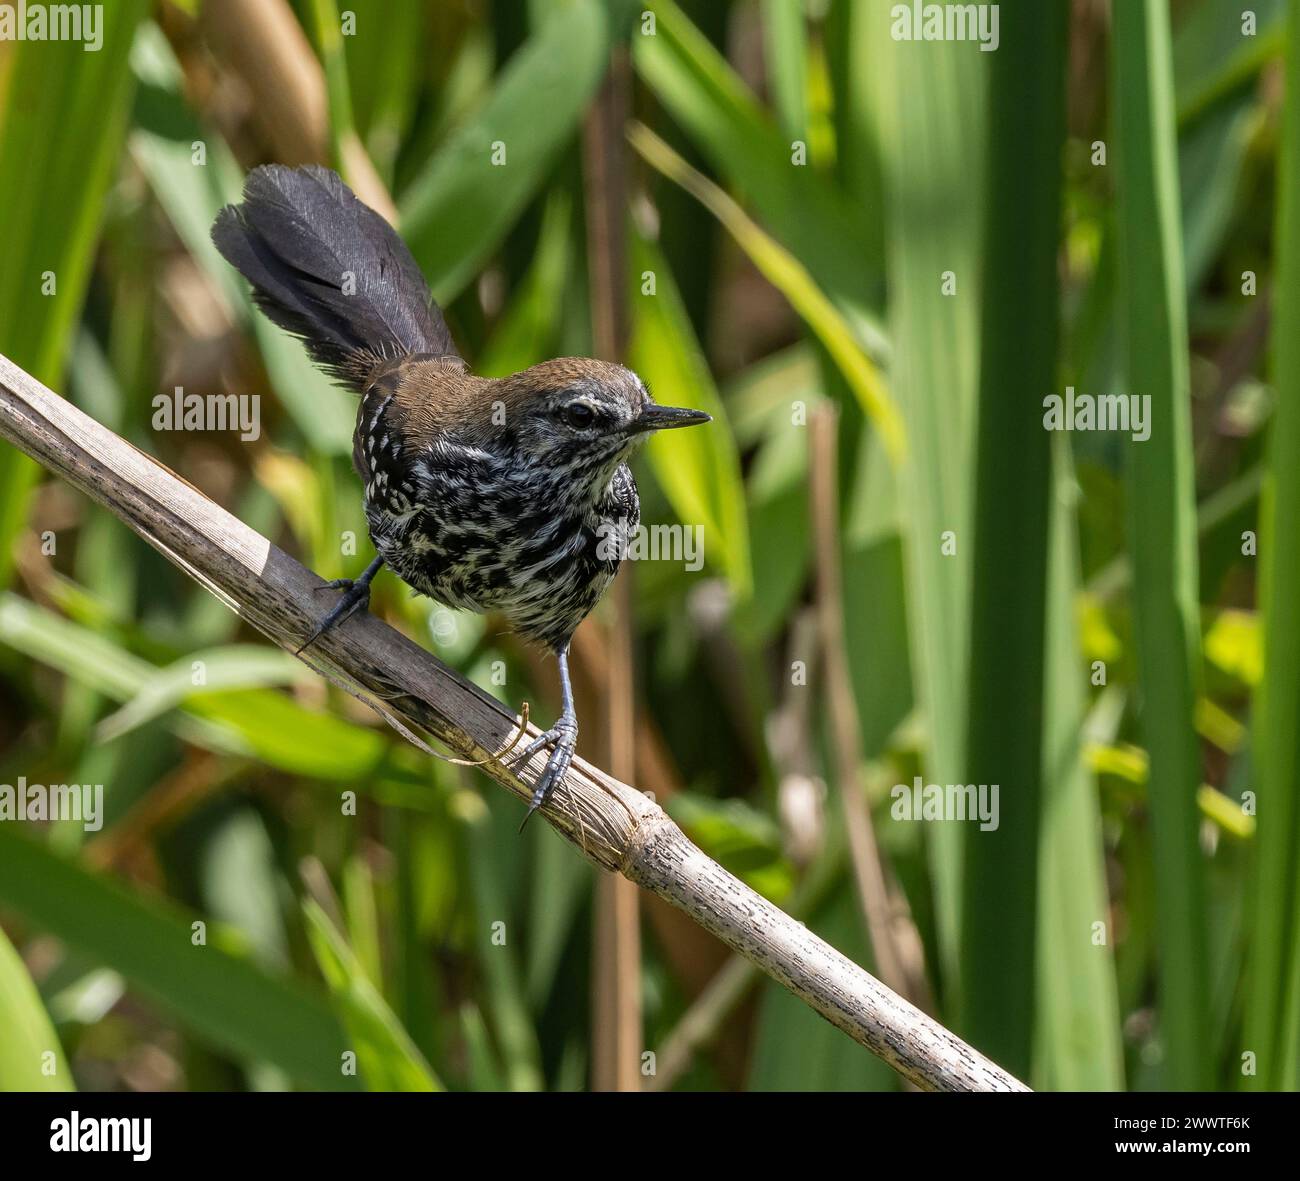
[[489, 495]]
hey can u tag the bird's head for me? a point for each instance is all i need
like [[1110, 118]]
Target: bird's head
[[576, 410]]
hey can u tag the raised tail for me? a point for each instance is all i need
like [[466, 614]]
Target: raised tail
[[331, 271]]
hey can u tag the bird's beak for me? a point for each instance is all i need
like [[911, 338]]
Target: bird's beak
[[666, 418]]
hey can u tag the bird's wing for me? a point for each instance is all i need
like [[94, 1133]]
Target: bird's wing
[[392, 416]]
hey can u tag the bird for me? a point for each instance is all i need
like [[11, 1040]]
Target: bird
[[510, 495]]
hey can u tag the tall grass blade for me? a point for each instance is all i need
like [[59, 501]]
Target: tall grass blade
[[458, 210], [65, 126], [1162, 514], [699, 471], [1078, 1041], [927, 122], [785, 49], [1272, 985], [386, 1057], [1018, 362], [31, 1057]]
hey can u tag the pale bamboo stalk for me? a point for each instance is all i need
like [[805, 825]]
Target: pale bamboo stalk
[[613, 825], [900, 955], [262, 43], [617, 1038]]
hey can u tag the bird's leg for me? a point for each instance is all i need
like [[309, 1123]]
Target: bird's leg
[[562, 738], [356, 594]]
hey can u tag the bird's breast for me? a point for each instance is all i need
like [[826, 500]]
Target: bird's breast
[[484, 530]]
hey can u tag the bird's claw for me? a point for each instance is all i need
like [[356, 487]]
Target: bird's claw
[[356, 594], [563, 740]]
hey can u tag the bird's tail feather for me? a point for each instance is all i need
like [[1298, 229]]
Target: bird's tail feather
[[330, 270]]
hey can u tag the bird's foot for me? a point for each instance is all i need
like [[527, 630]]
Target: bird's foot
[[562, 738], [356, 594]]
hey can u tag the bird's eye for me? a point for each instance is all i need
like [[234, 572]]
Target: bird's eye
[[579, 415]]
